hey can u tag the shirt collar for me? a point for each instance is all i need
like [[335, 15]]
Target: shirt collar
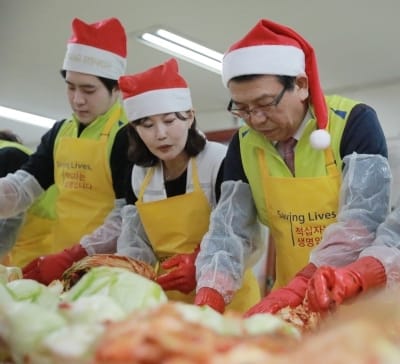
[[299, 132]]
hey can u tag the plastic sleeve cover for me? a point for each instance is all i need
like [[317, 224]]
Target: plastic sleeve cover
[[386, 247], [232, 243], [103, 240], [133, 241], [363, 206], [17, 193]]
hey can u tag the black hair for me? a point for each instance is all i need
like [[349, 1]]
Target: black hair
[[10, 136], [140, 155], [109, 83], [287, 81]]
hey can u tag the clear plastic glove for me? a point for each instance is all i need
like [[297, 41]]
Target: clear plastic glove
[[210, 297], [291, 295], [183, 277], [330, 286], [48, 268]]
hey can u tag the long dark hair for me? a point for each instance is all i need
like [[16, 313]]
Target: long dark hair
[[140, 155]]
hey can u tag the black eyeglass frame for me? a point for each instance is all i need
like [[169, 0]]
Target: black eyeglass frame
[[246, 114]]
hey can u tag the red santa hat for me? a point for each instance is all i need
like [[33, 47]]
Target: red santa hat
[[97, 49], [158, 90], [274, 49]]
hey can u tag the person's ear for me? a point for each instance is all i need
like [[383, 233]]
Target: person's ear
[[116, 94], [301, 87], [191, 114]]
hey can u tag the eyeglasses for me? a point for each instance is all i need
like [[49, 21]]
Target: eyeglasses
[[263, 110]]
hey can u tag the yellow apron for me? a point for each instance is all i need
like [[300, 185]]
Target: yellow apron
[[83, 177], [299, 209], [177, 224], [35, 235]]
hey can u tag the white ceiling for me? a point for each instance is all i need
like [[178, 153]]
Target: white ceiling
[[356, 42]]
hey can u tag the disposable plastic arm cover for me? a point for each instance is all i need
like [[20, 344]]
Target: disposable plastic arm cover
[[104, 239], [17, 192], [9, 229], [133, 241], [386, 247], [232, 243], [364, 204]]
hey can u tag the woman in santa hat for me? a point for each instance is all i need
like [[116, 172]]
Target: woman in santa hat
[[272, 76], [84, 156], [175, 183]]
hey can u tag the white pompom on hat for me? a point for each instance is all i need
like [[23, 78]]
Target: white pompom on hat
[[158, 90], [98, 49], [273, 49]]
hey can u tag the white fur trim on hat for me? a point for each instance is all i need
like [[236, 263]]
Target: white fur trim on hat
[[263, 60], [320, 139], [157, 102], [94, 61]]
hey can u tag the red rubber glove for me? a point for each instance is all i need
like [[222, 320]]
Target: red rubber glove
[[210, 297], [291, 295], [183, 277], [330, 286], [47, 268]]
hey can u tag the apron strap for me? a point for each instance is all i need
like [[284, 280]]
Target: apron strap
[[150, 173], [262, 162], [114, 117], [195, 175], [145, 183], [330, 163]]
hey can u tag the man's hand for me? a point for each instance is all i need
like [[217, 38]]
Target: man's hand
[[330, 286], [291, 295]]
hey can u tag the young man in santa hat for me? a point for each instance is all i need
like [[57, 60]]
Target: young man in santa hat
[[272, 76], [85, 155]]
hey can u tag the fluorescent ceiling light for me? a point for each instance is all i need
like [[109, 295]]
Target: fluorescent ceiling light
[[25, 117], [176, 45]]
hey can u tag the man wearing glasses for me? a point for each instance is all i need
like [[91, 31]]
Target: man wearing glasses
[[287, 167]]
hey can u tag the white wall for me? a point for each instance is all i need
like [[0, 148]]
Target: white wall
[[215, 120], [385, 100]]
